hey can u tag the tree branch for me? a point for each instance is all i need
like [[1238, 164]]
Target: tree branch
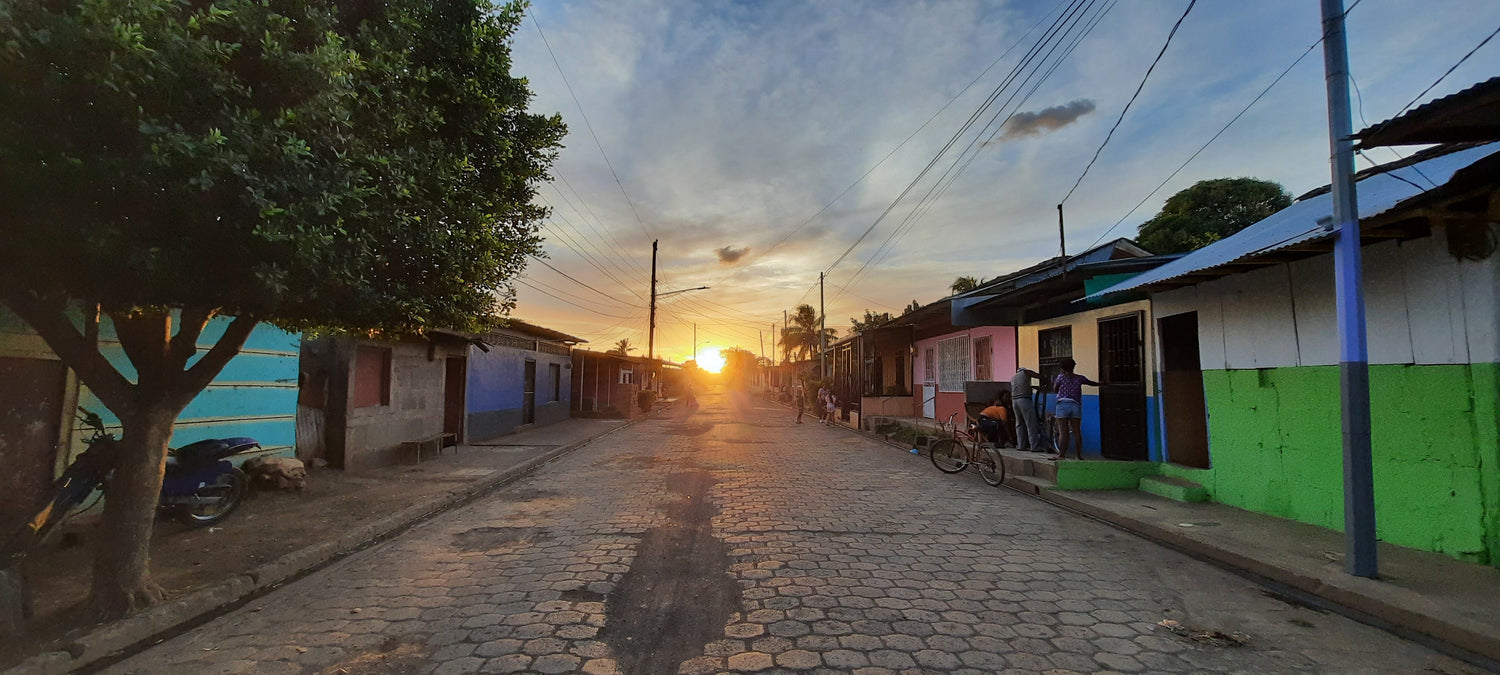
[[76, 351], [208, 367], [143, 336], [185, 343]]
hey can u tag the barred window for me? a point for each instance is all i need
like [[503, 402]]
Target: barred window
[[953, 363]]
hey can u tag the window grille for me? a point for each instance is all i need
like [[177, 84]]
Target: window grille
[[953, 363]]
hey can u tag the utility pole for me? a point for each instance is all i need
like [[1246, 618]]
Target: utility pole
[[762, 337], [822, 333], [695, 343], [1062, 239], [651, 335], [785, 322], [1348, 275]]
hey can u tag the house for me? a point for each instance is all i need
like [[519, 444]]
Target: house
[[255, 395], [1248, 355], [608, 385], [944, 358], [1111, 341], [369, 395], [518, 376]]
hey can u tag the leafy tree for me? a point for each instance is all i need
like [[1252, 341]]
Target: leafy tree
[[963, 285], [914, 306], [871, 320], [740, 365], [622, 347], [804, 336], [1210, 210], [319, 165]]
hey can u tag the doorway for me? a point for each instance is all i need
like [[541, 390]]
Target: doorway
[[1182, 391], [1122, 388], [528, 395], [454, 383]]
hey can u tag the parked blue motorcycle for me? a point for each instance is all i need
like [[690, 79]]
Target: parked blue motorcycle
[[201, 486]]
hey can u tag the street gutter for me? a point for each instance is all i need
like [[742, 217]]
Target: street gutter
[[114, 642]]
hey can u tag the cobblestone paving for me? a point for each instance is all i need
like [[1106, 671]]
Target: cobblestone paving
[[848, 556]]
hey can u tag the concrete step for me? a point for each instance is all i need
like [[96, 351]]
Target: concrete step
[[1171, 487]]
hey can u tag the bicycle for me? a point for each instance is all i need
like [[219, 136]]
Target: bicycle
[[962, 449]]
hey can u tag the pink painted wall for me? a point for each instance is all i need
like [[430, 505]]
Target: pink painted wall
[[1002, 365]]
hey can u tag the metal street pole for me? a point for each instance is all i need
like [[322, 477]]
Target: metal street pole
[[1348, 273], [651, 334]]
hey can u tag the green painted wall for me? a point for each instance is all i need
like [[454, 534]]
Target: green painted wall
[[1276, 448]]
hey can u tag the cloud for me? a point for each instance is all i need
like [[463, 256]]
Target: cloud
[[730, 255], [1050, 119]]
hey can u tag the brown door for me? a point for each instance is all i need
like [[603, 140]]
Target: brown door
[[453, 397], [31, 413], [1182, 391], [528, 395], [1122, 390]]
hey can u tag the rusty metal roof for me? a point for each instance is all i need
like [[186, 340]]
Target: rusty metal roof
[[1469, 115]]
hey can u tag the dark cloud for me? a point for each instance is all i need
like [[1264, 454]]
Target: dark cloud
[[730, 255], [1044, 121]]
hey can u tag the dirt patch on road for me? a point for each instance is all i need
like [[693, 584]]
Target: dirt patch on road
[[691, 429], [490, 538], [677, 595], [392, 657], [523, 495]]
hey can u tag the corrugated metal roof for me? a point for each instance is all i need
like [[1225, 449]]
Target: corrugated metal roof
[[1305, 220], [1469, 115]]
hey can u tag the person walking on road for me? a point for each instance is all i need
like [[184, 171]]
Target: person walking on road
[[1069, 388], [801, 398], [1028, 434], [832, 419]]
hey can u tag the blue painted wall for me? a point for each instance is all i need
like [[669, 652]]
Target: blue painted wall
[[1092, 444], [496, 384]]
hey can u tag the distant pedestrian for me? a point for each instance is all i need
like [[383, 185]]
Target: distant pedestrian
[[994, 421], [1028, 434], [832, 419], [822, 405], [801, 398], [1069, 388]]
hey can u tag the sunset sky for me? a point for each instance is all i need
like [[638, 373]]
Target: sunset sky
[[731, 124]]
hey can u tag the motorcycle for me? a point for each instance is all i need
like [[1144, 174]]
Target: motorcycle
[[201, 486]]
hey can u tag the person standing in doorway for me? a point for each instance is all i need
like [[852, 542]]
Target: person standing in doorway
[[1069, 388], [1028, 434]]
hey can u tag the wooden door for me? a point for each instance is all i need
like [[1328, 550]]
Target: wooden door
[[1122, 390], [528, 395], [31, 415], [455, 376], [1182, 391]]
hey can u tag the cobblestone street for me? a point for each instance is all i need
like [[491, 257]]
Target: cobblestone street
[[730, 539]]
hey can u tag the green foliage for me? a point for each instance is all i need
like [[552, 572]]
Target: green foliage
[[871, 320], [1210, 210], [365, 170], [914, 306], [645, 399], [963, 285], [739, 365], [622, 347], [804, 337]]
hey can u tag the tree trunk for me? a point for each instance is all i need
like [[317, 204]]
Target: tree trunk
[[122, 577]]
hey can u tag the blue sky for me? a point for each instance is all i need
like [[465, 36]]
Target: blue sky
[[731, 123]]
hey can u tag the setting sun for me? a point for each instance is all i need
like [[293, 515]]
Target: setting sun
[[710, 359]]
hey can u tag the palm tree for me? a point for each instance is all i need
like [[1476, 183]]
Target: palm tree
[[622, 348], [963, 285], [803, 336]]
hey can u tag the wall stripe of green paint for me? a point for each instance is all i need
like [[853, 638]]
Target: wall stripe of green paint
[[1276, 448]]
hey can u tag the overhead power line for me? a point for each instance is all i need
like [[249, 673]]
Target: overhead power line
[[570, 277], [1445, 74], [523, 282], [1137, 93], [586, 123]]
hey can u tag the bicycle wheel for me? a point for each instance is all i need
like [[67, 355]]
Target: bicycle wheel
[[991, 468], [948, 456]]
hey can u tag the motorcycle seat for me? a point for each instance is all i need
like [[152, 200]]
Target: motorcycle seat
[[214, 448]]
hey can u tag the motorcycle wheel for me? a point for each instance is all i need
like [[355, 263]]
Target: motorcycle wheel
[[231, 486]]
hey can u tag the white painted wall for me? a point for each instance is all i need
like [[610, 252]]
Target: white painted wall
[[1422, 307], [1086, 338]]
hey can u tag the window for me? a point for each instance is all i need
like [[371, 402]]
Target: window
[[1053, 345], [372, 377], [929, 366], [953, 363], [555, 370], [627, 376], [982, 359]]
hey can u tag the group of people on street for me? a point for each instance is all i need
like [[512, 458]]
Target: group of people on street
[[826, 405], [1018, 403]]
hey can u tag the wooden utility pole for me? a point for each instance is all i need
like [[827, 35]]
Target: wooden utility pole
[[651, 334], [1062, 240], [822, 333]]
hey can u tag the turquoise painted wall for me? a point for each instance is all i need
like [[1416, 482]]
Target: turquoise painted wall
[[1275, 447]]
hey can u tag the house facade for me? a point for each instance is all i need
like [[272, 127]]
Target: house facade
[[607, 385], [1248, 355], [518, 376], [946, 358]]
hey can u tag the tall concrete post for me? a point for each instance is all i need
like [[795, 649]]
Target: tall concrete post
[[822, 333], [651, 334], [1348, 273]]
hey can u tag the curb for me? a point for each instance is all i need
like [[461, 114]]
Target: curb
[[114, 642], [1466, 641]]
